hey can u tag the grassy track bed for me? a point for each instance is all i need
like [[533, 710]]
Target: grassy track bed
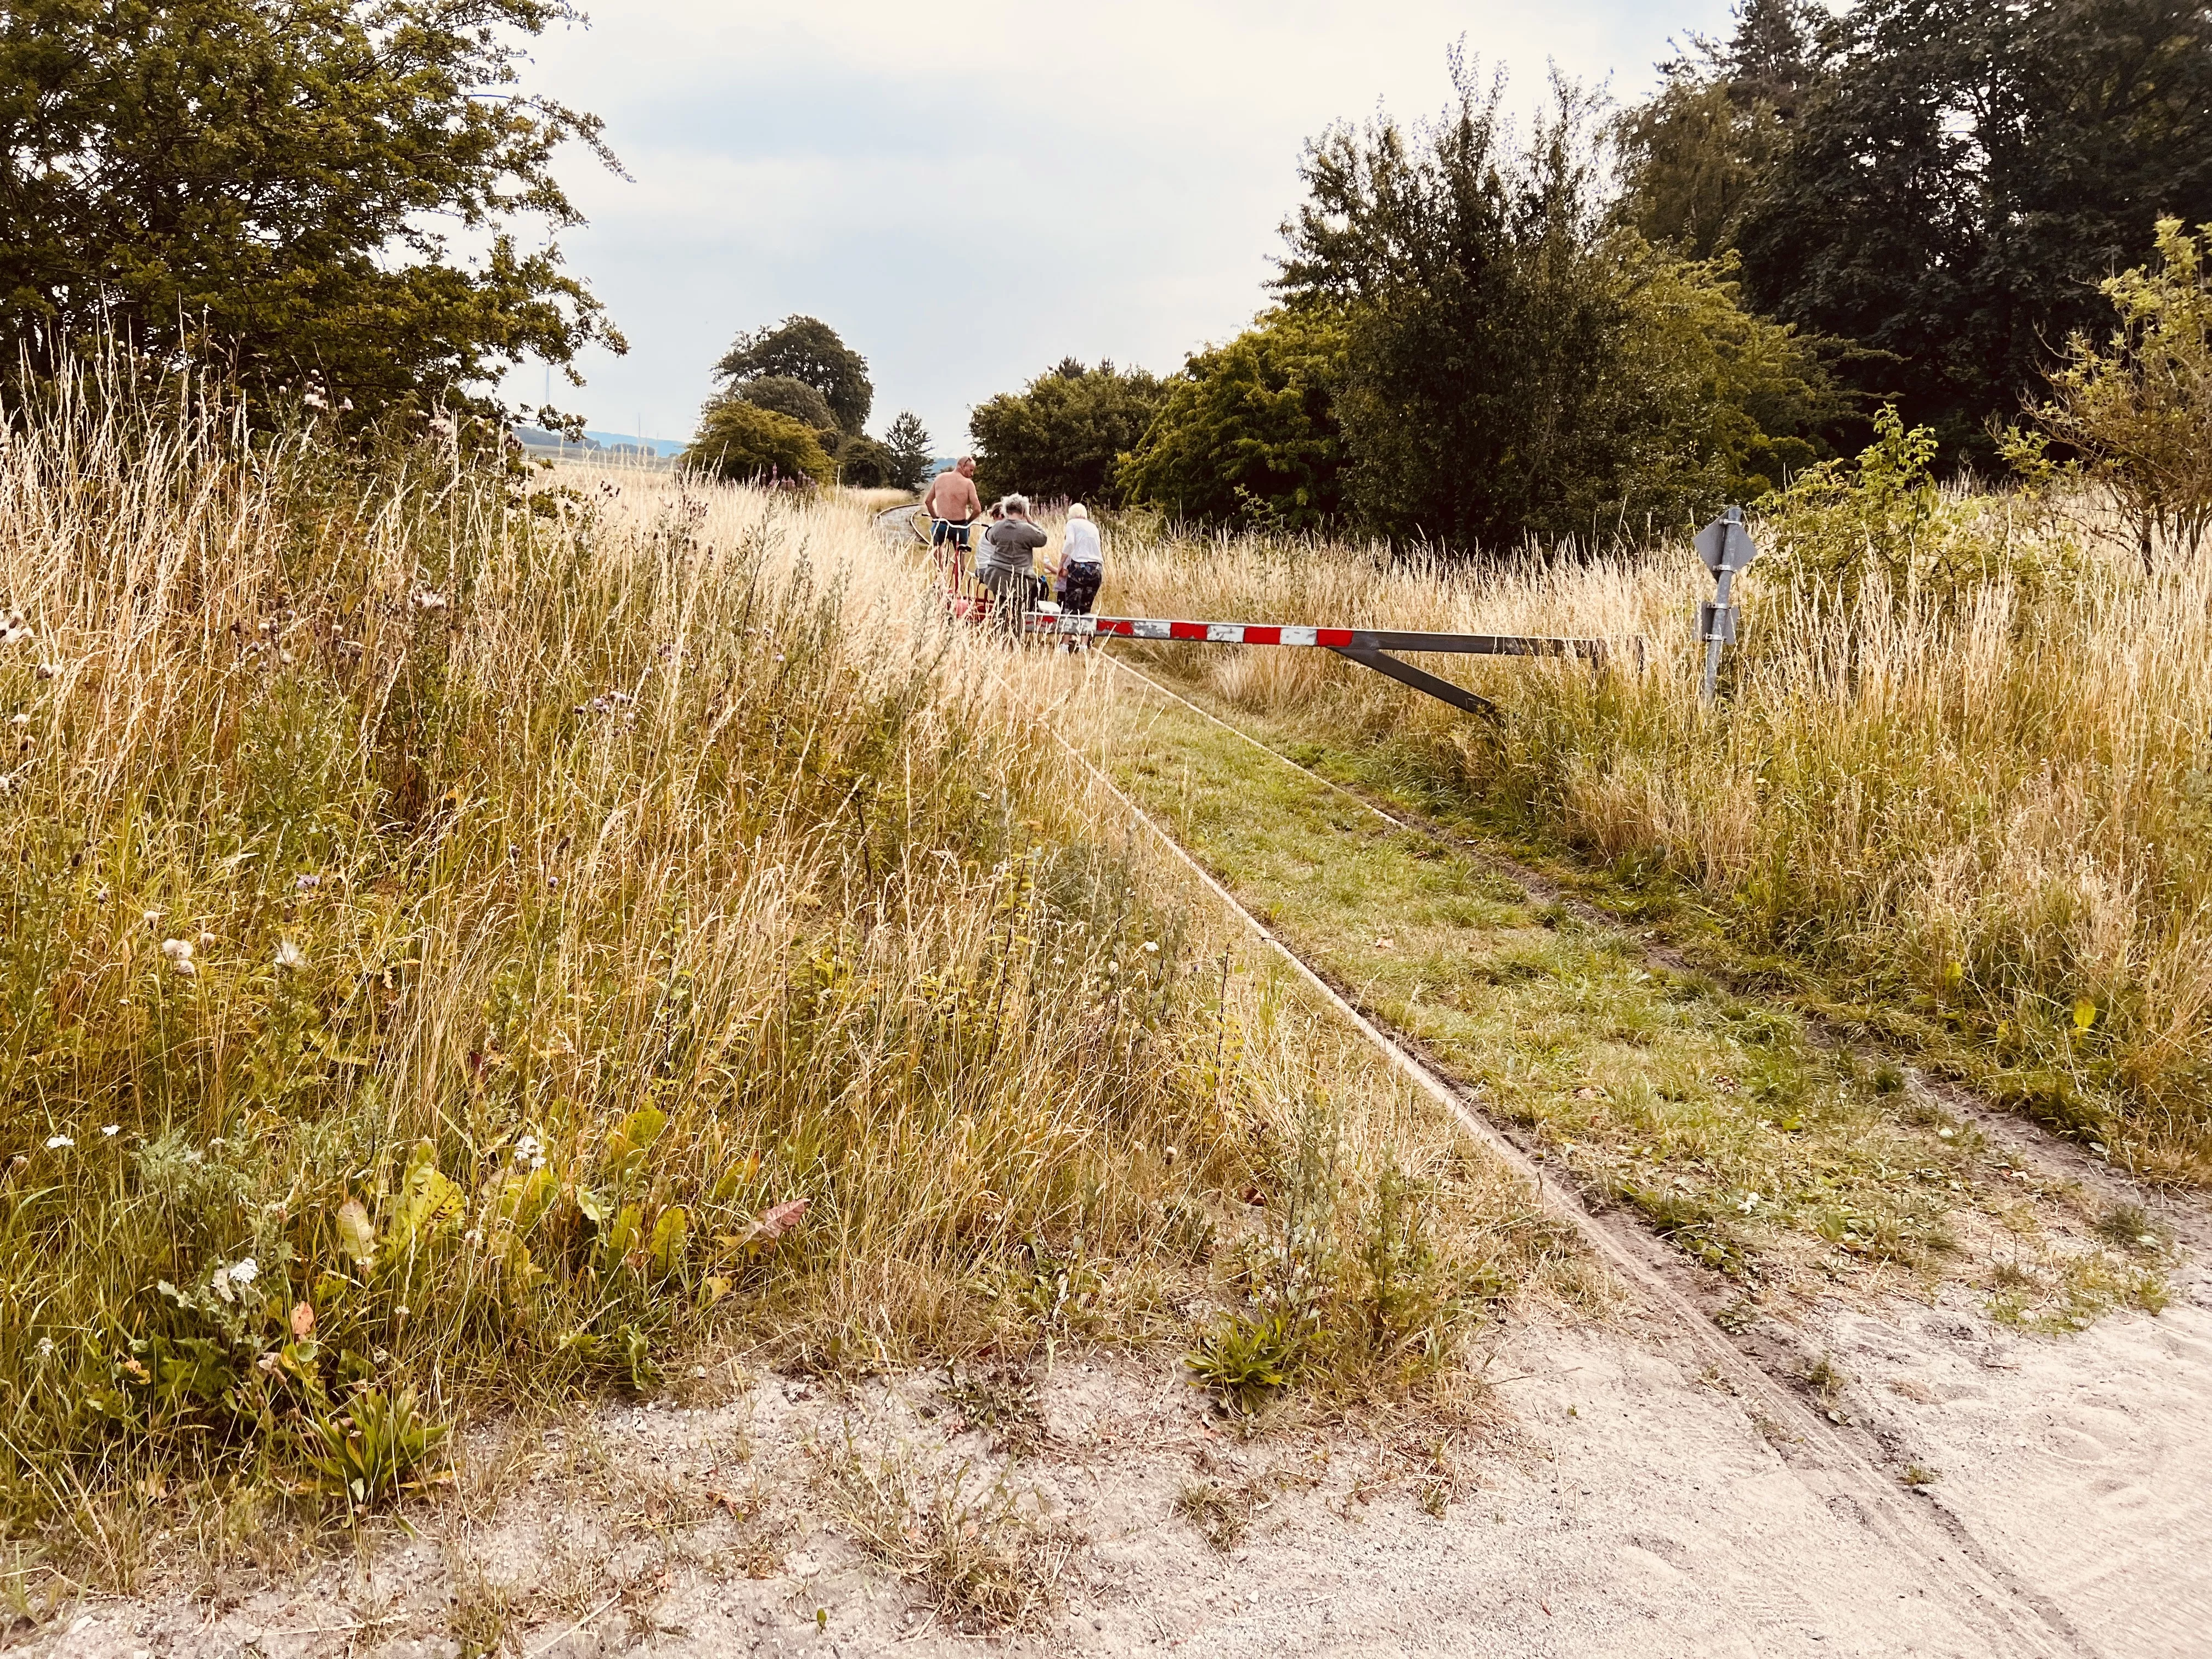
[[1770, 1158]]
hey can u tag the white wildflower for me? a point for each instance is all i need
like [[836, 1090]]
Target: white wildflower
[[55, 1143], [179, 953], [316, 400], [227, 1282], [307, 883], [110, 1129], [19, 721], [290, 955], [154, 918], [1149, 946]]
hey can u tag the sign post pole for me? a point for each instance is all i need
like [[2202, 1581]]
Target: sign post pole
[[1726, 547]]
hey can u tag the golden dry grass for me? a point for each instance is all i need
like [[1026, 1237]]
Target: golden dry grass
[[1989, 825], [453, 924]]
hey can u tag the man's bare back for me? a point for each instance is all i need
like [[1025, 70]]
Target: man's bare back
[[952, 494]]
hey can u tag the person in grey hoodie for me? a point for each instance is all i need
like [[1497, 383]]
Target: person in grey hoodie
[[1007, 565]]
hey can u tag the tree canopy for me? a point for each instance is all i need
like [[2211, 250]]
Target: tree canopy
[[794, 397], [1515, 363], [1962, 175], [744, 441], [1064, 433], [1248, 432], [805, 348], [272, 183]]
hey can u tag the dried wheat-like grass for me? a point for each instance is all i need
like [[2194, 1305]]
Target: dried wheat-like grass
[[1997, 817]]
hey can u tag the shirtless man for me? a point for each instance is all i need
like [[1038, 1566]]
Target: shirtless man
[[953, 502]]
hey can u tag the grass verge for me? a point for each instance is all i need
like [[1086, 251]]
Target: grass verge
[[1763, 1156], [472, 942]]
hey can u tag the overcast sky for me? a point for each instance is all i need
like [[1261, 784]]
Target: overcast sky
[[970, 191]]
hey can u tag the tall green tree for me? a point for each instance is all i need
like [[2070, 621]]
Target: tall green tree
[[794, 397], [1692, 155], [1480, 326], [808, 349], [907, 442], [1064, 434], [270, 183], [1518, 363], [1965, 173], [1247, 434], [740, 440]]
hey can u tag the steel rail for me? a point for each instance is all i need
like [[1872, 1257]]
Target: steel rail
[[1930, 1537]]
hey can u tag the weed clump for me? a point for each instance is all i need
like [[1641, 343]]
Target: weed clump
[[463, 939]]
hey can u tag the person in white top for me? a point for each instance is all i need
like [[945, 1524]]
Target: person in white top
[[1081, 565]]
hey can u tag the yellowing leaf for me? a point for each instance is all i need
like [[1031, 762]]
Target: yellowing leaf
[[667, 1245], [736, 1175], [638, 1131], [357, 1233], [427, 1202], [2084, 1014], [623, 1236], [717, 1288], [524, 1198]]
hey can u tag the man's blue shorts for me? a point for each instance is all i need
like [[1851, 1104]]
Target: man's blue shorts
[[947, 531]]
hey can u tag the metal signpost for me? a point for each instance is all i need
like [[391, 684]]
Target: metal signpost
[[1726, 547]]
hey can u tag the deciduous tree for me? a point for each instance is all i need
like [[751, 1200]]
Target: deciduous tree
[[1247, 434], [1516, 364], [1963, 175], [273, 184], [1065, 434], [805, 348], [741, 441]]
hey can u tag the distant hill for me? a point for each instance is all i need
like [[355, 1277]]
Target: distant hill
[[658, 446], [613, 446]]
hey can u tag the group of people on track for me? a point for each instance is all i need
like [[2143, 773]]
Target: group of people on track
[[1006, 558]]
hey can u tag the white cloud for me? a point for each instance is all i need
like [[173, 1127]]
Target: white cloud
[[970, 192]]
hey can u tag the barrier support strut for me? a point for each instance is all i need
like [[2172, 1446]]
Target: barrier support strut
[[1368, 646]]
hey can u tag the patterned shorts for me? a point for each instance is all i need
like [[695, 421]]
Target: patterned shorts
[[1078, 587]]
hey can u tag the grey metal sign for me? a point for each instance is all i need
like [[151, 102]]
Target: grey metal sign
[[1726, 547], [1725, 544]]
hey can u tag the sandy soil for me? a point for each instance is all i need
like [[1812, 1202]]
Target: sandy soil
[[1605, 1496]]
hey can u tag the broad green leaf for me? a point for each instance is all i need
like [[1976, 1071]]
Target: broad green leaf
[[638, 1131], [623, 1236]]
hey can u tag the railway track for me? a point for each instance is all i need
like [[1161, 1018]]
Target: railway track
[[2010, 1616], [1933, 1544]]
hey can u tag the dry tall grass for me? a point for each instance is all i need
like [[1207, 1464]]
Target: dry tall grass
[[466, 941], [1993, 817]]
